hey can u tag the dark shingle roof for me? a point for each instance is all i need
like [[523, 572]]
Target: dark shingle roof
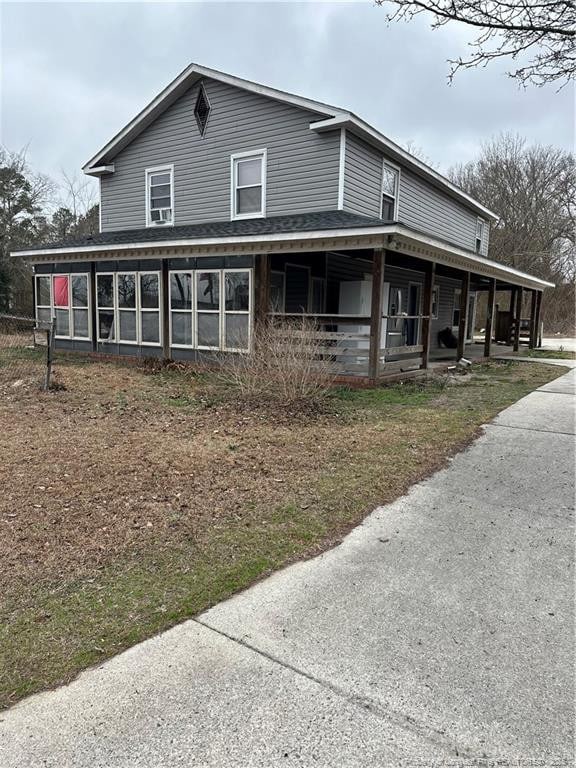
[[302, 222]]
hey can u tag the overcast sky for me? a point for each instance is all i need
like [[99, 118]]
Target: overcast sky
[[74, 73]]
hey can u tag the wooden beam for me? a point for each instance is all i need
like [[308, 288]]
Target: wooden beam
[[517, 317], [376, 313], [490, 314], [464, 296], [538, 335], [533, 332], [261, 287], [165, 313], [93, 302], [429, 277]]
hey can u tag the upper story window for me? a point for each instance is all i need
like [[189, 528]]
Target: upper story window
[[390, 179], [160, 196], [480, 224], [248, 185]]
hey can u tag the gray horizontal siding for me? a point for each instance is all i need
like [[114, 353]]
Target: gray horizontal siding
[[362, 177], [302, 168], [421, 205], [429, 210]]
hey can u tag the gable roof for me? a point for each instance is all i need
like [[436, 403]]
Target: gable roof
[[332, 118]]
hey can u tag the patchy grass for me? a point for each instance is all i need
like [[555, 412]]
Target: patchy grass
[[132, 500], [551, 354]]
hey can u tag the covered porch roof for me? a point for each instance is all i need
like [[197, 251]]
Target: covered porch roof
[[318, 231]]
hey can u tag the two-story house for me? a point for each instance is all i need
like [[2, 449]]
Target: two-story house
[[224, 202]]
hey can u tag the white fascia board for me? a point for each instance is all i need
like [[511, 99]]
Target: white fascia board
[[359, 127], [473, 261], [179, 85], [100, 170]]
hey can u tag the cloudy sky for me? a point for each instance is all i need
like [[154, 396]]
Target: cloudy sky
[[75, 73]]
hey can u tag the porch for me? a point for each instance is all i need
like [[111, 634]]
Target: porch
[[379, 299], [372, 314]]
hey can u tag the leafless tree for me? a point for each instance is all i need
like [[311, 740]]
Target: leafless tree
[[540, 32], [533, 190], [24, 195]]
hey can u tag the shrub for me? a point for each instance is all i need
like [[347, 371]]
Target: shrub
[[287, 364]]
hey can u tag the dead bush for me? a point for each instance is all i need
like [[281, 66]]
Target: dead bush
[[287, 364]]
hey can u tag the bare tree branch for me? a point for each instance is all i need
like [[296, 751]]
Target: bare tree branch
[[546, 30]]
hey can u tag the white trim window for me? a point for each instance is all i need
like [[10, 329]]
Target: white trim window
[[248, 195], [211, 309], [181, 289], [128, 308], [160, 196], [149, 332], [237, 309], [390, 187], [66, 298], [105, 309], [480, 224]]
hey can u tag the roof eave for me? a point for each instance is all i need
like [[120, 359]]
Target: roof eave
[[419, 242]]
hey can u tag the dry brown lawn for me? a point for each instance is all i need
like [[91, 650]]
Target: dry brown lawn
[[131, 500]]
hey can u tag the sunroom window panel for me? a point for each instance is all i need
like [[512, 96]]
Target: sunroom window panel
[[237, 291], [208, 291], [106, 325], [208, 330], [181, 290], [149, 292], [127, 321], [60, 291], [249, 200], [79, 291], [237, 331], [127, 291], [150, 323], [62, 322], [182, 328], [44, 314], [81, 327], [43, 291], [105, 290]]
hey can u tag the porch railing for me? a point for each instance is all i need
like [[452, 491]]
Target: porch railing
[[347, 352]]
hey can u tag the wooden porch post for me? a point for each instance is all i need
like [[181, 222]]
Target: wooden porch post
[[93, 311], [261, 287], [533, 332], [376, 313], [429, 276], [517, 316], [537, 335], [490, 313], [165, 313], [464, 296]]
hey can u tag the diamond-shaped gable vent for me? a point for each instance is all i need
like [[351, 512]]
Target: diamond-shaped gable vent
[[202, 110]]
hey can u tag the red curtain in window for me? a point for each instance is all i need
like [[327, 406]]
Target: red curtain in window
[[61, 291]]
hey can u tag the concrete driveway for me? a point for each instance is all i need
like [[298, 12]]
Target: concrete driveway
[[440, 633]]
